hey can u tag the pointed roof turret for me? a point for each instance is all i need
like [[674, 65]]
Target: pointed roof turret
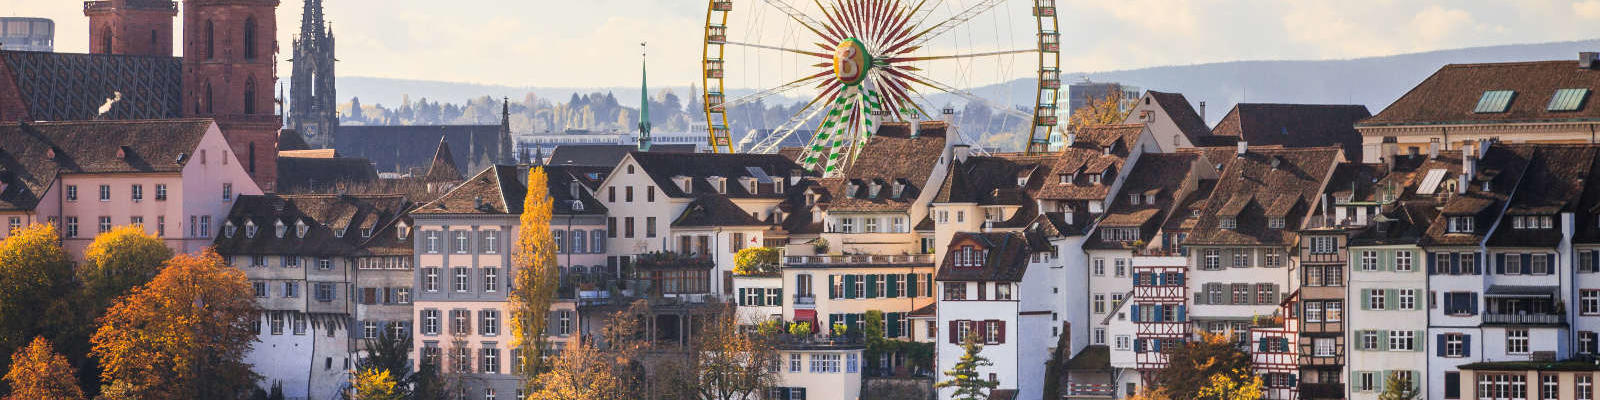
[[506, 144], [443, 168], [644, 102]]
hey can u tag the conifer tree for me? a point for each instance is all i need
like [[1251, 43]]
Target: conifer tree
[[964, 375]]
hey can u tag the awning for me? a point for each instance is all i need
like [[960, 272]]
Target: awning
[[1512, 291], [805, 315]]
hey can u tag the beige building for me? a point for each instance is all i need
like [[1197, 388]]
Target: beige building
[[1565, 380]]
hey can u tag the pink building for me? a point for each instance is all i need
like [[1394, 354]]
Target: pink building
[[177, 178]]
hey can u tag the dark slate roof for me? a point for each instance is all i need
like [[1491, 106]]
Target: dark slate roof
[[1008, 179], [606, 155], [291, 140], [1296, 125], [1402, 223], [1502, 166], [1263, 183], [1158, 174], [662, 167], [1091, 358], [891, 155], [502, 190], [405, 149], [1555, 182], [1007, 258], [73, 87], [714, 210], [1177, 107], [443, 167], [319, 174], [1451, 93], [325, 216], [27, 168]]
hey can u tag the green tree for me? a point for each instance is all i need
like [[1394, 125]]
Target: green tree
[[964, 375], [535, 284], [39, 373], [390, 352], [1396, 387], [756, 261], [373, 384], [1192, 365], [34, 273], [183, 335]]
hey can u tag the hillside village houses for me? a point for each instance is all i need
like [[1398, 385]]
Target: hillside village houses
[[1453, 239]]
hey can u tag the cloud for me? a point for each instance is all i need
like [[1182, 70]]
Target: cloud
[[1589, 9], [1435, 23]]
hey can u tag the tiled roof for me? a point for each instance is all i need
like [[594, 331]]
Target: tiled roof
[[1156, 174], [606, 155], [1085, 159], [443, 167], [28, 168], [994, 180], [404, 149], [300, 174], [1260, 183], [1119, 138], [1091, 358], [1555, 182], [1296, 125], [496, 190], [892, 155], [1403, 223], [1006, 261], [73, 87], [1182, 114], [1450, 95], [663, 167], [1503, 167], [709, 210], [325, 217]]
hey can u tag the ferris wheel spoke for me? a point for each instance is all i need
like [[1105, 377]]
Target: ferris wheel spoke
[[804, 20], [892, 60], [962, 93], [944, 26], [771, 143], [778, 48], [769, 92]]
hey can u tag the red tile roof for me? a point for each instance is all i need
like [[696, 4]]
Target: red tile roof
[[1451, 93]]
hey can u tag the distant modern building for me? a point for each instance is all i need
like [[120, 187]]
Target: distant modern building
[[27, 34], [1082, 93]]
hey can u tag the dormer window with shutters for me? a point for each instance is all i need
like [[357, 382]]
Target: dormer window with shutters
[[300, 229], [228, 228], [249, 228], [851, 188], [279, 228]]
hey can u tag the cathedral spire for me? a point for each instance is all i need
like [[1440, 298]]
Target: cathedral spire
[[506, 144], [311, 27], [644, 101]]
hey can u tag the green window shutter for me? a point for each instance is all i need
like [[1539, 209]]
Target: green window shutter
[[1386, 260], [831, 294], [1383, 340], [927, 286], [1355, 376], [1366, 300], [872, 286], [893, 331], [1383, 376], [1390, 296], [911, 285], [1419, 345], [850, 286], [892, 287], [741, 297]]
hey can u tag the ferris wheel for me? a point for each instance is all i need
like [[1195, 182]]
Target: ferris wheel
[[857, 63]]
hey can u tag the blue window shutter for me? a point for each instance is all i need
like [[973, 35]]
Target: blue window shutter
[[1438, 345], [1455, 263], [1500, 263], [1527, 264], [1182, 314], [1473, 304], [1550, 263], [1432, 267], [1466, 345], [1135, 309]]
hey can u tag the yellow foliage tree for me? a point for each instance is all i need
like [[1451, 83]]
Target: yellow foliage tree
[[1238, 385], [183, 335], [373, 384], [39, 373], [732, 363], [121, 259], [34, 274], [581, 372], [535, 285], [756, 261], [1101, 110]]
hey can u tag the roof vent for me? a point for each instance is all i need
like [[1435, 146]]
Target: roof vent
[[577, 205], [124, 151], [1586, 59]]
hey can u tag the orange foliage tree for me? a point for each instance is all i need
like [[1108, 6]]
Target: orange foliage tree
[[183, 335], [39, 373], [535, 284]]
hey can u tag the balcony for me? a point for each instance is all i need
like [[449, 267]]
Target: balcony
[[1091, 390], [1525, 319], [858, 260], [805, 301]]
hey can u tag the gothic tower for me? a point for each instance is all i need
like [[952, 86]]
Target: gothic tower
[[131, 27], [313, 104], [228, 74]]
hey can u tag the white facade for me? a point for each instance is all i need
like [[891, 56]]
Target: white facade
[[1393, 338], [979, 317]]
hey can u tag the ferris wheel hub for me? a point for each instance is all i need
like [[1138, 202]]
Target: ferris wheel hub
[[851, 61]]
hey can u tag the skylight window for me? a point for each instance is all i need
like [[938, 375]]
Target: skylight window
[[1494, 101], [1567, 100]]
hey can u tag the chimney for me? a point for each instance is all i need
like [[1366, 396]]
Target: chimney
[[1433, 150], [1071, 138], [1586, 59], [1242, 147], [916, 125], [1202, 111], [1390, 149], [1469, 169], [961, 151]]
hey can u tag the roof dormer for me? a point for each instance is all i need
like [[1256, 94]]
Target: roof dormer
[[300, 229], [279, 228], [401, 230], [718, 183], [899, 188], [250, 228], [749, 184], [873, 188], [228, 228], [686, 184]]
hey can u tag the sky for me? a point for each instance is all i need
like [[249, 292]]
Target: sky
[[595, 43]]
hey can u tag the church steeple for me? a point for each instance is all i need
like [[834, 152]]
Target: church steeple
[[506, 144], [313, 101], [644, 101]]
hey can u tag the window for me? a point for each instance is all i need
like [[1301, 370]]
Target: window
[[105, 224], [1589, 301], [430, 279], [1585, 387], [1099, 267], [260, 289], [1369, 340], [491, 323], [1375, 299], [870, 225], [1402, 340], [461, 279], [1322, 347], [402, 295], [1241, 293], [1369, 260], [1312, 311], [369, 329], [852, 361], [72, 192], [1323, 244], [1099, 336], [649, 227], [794, 362], [1213, 259], [1460, 224], [161, 191], [430, 322], [105, 192], [227, 192], [1099, 304], [1002, 290], [291, 289], [1271, 258], [72, 227], [1227, 223], [461, 242], [1407, 299], [324, 292], [136, 192], [627, 223], [299, 324], [277, 323], [1241, 258], [1335, 311], [460, 322], [1122, 342], [1567, 99], [1494, 101], [491, 279], [824, 363], [1402, 261], [1517, 341], [432, 242], [1275, 223], [1469, 263], [205, 226], [1122, 267], [1549, 386], [491, 241], [953, 290], [1540, 265]]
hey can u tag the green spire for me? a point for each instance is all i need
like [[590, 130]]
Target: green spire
[[644, 102]]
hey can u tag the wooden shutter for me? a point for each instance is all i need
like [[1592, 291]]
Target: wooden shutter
[[1418, 343], [832, 290], [1527, 263], [1500, 264], [1432, 266], [1383, 340], [1001, 331], [911, 285], [892, 287], [369, 296], [1466, 345], [1438, 345], [1389, 298], [742, 301], [953, 325], [850, 286], [872, 286]]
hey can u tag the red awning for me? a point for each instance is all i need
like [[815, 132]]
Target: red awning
[[805, 315]]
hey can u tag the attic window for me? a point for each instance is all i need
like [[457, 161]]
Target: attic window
[[1133, 198], [1567, 100], [1150, 199], [249, 229], [1461, 224], [300, 229], [1064, 179], [1494, 101], [401, 230], [898, 188], [366, 232], [873, 189], [1094, 179], [1275, 223], [228, 229], [280, 228], [1227, 222]]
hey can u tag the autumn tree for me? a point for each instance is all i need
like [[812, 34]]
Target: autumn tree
[[183, 335], [1396, 387], [1238, 384], [373, 384], [1105, 109], [390, 352], [964, 375], [730, 363], [119, 260], [756, 261], [603, 369], [1191, 365], [34, 273], [39, 373], [535, 285]]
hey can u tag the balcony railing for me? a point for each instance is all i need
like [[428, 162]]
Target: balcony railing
[[1527, 319], [1091, 389], [863, 259], [805, 299]]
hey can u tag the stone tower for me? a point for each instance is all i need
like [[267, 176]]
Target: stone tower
[[228, 74], [131, 27], [313, 104]]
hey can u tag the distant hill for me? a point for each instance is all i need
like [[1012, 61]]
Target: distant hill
[[1372, 81]]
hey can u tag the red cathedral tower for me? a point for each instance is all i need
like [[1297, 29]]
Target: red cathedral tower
[[131, 27], [229, 48]]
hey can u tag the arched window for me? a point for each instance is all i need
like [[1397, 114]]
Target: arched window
[[211, 40], [250, 38], [105, 40], [210, 106], [250, 96], [252, 168]]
